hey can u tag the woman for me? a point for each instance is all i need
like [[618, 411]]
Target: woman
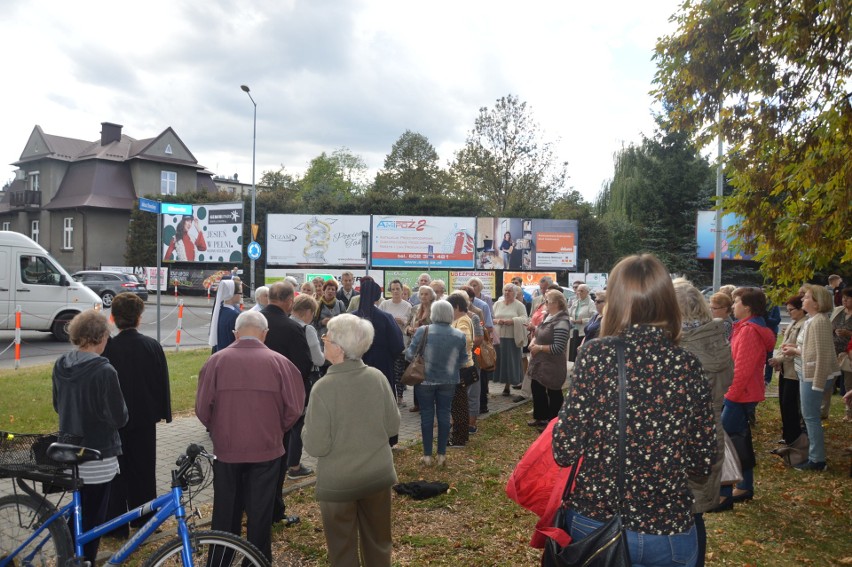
[[406, 293], [704, 337], [506, 249], [307, 288], [445, 353], [351, 415], [751, 339], [593, 327], [225, 314], [510, 319], [580, 314], [460, 410], [143, 376], [816, 367], [720, 308], [474, 390], [401, 311], [841, 325], [328, 306], [422, 316], [548, 368], [182, 244], [318, 283], [87, 397], [788, 383], [642, 312]]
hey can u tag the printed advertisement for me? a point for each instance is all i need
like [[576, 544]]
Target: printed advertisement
[[194, 279], [526, 244], [459, 279], [410, 277], [423, 242], [273, 275], [298, 240], [705, 234], [212, 233], [151, 278]]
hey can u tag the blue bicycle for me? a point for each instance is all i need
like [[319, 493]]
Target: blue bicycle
[[35, 532]]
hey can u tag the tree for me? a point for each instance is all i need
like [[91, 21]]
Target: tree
[[772, 78], [506, 164], [331, 181], [411, 168]]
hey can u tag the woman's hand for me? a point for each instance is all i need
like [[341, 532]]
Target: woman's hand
[[790, 350]]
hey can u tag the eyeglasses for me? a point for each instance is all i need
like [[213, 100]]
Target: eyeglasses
[[599, 301], [327, 340], [715, 307]]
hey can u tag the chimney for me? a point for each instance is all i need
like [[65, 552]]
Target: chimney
[[110, 133]]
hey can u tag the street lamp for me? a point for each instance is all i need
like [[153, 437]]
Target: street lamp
[[253, 188]]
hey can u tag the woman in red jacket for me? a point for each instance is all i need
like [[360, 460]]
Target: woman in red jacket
[[183, 245]]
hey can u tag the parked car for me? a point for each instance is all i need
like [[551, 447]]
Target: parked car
[[109, 284]]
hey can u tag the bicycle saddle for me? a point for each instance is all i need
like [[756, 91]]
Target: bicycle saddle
[[72, 454]]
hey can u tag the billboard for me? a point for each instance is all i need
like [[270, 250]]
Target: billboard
[[273, 275], [705, 235], [304, 240], [423, 242], [526, 244], [213, 233]]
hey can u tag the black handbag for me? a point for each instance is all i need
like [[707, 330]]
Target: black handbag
[[607, 545], [469, 375]]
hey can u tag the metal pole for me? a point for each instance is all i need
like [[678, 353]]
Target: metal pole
[[159, 250], [253, 187], [717, 251]]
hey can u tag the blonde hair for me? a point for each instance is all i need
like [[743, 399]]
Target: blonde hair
[[692, 304], [823, 297]]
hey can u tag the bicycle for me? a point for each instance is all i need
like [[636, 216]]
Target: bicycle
[[35, 533]]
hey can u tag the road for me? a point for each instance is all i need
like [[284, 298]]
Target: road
[[42, 348]]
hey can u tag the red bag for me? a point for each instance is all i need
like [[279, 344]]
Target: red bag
[[537, 484]]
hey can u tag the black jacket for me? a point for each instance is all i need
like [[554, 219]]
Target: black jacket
[[342, 296], [286, 337], [88, 399]]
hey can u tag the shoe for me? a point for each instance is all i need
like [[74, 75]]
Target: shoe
[[516, 387], [401, 404], [287, 520], [426, 460], [742, 496], [781, 442], [538, 423], [483, 410], [725, 505], [506, 393], [472, 429], [811, 466], [455, 445], [414, 409], [442, 460], [518, 399], [302, 471]]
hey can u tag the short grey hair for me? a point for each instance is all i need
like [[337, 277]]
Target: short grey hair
[[546, 279], [292, 281], [251, 319], [442, 312], [352, 334], [428, 277], [583, 287], [475, 280], [431, 291], [262, 291]]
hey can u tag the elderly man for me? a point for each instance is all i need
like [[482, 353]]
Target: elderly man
[[423, 279], [248, 397], [261, 298], [538, 296], [346, 292], [440, 289]]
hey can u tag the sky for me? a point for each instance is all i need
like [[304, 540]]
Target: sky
[[328, 74]]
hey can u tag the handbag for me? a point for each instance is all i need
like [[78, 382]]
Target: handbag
[[486, 356], [416, 372], [844, 362], [607, 545], [469, 375], [731, 468]]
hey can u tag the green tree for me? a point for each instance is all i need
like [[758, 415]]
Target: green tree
[[331, 181], [411, 168], [772, 78], [506, 164]]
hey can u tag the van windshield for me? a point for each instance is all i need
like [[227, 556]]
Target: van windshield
[[39, 270]]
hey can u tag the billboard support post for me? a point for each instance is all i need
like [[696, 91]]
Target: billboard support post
[[159, 250]]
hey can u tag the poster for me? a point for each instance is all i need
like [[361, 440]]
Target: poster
[[459, 279], [299, 240], [526, 244], [705, 235], [272, 275], [213, 233], [194, 279], [423, 242], [410, 277]]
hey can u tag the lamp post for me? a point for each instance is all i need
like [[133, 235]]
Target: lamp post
[[253, 188]]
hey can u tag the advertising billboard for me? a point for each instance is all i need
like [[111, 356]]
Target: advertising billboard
[[304, 240], [705, 235], [526, 244], [423, 242], [212, 233]]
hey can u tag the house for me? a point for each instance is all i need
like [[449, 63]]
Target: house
[[74, 197]]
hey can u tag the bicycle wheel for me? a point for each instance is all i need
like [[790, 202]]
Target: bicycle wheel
[[210, 549], [20, 517]]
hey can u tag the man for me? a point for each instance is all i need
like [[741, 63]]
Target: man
[[538, 297], [576, 284], [440, 288], [248, 397], [261, 297], [287, 338], [347, 292], [835, 286], [525, 297], [484, 303], [423, 279]]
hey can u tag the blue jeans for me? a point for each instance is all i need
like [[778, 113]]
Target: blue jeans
[[435, 398], [811, 401], [734, 421], [645, 549]]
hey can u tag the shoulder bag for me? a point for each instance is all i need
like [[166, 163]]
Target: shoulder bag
[[607, 545], [416, 372], [486, 356]]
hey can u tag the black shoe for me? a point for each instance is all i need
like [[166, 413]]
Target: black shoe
[[287, 520], [516, 387], [483, 410], [506, 393], [519, 399], [726, 505], [745, 495]]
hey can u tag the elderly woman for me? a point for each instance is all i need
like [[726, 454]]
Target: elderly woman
[[460, 410], [351, 415], [261, 298], [721, 308], [548, 367], [474, 390], [307, 288], [328, 306], [788, 383], [593, 327], [642, 314], [87, 396], [580, 314], [445, 352], [421, 316], [225, 314], [510, 319], [318, 283], [143, 376], [816, 367], [704, 336]]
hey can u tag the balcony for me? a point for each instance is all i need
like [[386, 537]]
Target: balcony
[[18, 199]]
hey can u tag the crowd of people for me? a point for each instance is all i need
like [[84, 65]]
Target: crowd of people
[[321, 370]]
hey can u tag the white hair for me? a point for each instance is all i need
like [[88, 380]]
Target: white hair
[[442, 312], [352, 334], [252, 320]]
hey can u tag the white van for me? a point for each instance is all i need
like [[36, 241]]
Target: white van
[[47, 295]]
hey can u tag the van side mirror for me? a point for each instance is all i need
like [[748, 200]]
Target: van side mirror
[[63, 281]]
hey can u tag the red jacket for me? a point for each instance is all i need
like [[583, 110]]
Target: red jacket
[[749, 344]]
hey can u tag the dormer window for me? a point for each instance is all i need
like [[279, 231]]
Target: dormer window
[[33, 181], [168, 150]]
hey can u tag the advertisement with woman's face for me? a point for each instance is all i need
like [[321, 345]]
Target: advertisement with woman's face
[[212, 233]]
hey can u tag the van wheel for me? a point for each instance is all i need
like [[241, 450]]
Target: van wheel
[[59, 329], [107, 298]]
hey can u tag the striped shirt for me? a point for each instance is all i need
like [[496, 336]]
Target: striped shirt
[[99, 472]]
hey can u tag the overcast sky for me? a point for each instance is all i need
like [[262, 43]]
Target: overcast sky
[[327, 74]]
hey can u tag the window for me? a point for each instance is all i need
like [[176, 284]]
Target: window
[[7, 226], [34, 231], [68, 233], [38, 270], [33, 181], [168, 183], [168, 149]]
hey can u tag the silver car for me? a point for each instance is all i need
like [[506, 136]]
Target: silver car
[[109, 284]]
